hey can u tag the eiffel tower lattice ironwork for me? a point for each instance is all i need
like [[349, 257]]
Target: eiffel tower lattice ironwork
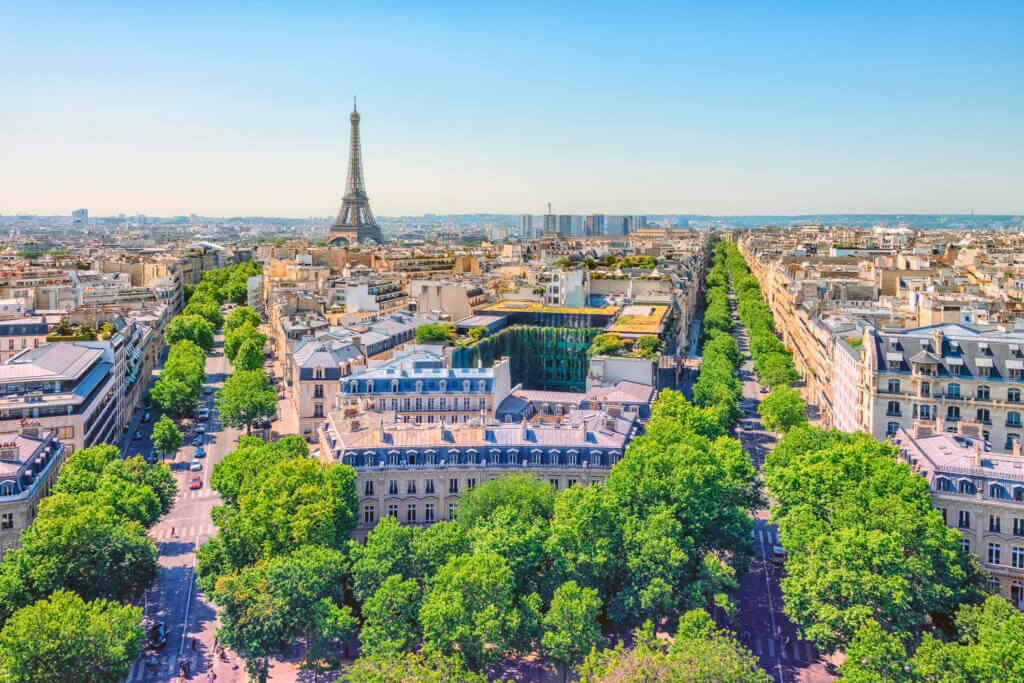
[[355, 222]]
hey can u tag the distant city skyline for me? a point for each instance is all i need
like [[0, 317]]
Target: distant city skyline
[[796, 109]]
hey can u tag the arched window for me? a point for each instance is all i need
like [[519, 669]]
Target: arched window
[[443, 385], [983, 392], [894, 386], [465, 385], [942, 484], [953, 390], [7, 489], [1013, 419], [1013, 395], [419, 386], [353, 387], [481, 385], [984, 416], [369, 386], [394, 386], [997, 491]]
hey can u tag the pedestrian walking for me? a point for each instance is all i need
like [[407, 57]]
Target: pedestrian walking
[[172, 532], [210, 677]]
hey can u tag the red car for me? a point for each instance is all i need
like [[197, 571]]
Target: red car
[[195, 482]]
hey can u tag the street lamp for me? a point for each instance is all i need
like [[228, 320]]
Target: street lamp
[[885, 671]]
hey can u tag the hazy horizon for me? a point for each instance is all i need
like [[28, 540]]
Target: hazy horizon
[[680, 109]]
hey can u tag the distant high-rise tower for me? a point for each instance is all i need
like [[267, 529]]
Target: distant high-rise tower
[[526, 226], [80, 216], [355, 222], [595, 225]]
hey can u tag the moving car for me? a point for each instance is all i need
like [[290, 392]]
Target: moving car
[[200, 453], [778, 554], [200, 429], [137, 435], [195, 482], [195, 466], [764, 390], [157, 637], [207, 390], [198, 441], [145, 416], [151, 457], [203, 413]]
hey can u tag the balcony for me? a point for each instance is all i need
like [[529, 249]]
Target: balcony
[[890, 413]]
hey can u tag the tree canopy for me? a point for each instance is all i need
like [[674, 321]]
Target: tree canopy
[[246, 396], [194, 328]]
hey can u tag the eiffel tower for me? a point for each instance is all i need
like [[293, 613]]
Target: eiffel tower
[[355, 223]]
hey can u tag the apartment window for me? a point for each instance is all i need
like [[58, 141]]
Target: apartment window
[[983, 392], [411, 487], [453, 486], [967, 487], [953, 413], [393, 511], [428, 486], [7, 521], [982, 372], [893, 408], [953, 390], [984, 416], [451, 510], [443, 403], [570, 483], [894, 386], [7, 490], [410, 514], [406, 404], [926, 389], [964, 519], [942, 511], [430, 404], [368, 488], [318, 373], [1013, 419], [954, 369], [318, 391], [553, 482], [1011, 439], [428, 512], [470, 483], [65, 433], [1013, 395], [393, 487], [465, 402], [368, 513], [1017, 557], [965, 545], [1018, 526], [993, 553], [419, 404], [891, 428], [994, 523], [925, 411], [482, 404], [318, 410]]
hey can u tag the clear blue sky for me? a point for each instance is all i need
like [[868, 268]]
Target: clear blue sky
[[229, 109]]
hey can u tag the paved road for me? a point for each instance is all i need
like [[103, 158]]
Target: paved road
[[764, 626], [174, 599]]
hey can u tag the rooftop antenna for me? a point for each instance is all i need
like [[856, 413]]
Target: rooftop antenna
[[353, 103]]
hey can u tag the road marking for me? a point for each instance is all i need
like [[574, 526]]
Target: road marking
[[771, 648]]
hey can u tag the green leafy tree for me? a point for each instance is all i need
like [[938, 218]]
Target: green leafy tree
[[536, 499], [238, 336], [297, 502], [64, 638], [411, 668], [166, 437], [391, 618], [249, 357], [478, 333], [697, 654], [776, 369], [429, 333], [433, 546], [511, 532], [268, 608], [783, 409], [96, 468], [86, 548], [241, 316], [385, 553], [246, 396], [174, 396], [207, 308], [571, 629], [470, 610], [194, 328], [251, 457]]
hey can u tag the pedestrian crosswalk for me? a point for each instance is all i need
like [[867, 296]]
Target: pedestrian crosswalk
[[796, 651], [195, 494], [765, 535], [185, 533]]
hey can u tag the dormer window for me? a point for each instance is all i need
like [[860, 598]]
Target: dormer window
[[394, 386], [443, 385], [369, 386], [419, 386], [482, 385], [7, 489], [318, 373], [465, 386], [353, 387]]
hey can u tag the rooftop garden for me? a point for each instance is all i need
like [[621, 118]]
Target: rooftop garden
[[609, 261], [609, 344], [534, 307]]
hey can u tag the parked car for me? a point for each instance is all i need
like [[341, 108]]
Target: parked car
[[195, 482], [203, 413], [151, 457], [200, 453], [157, 637], [198, 441], [764, 390], [200, 429], [778, 554], [195, 466], [207, 390], [137, 435], [145, 416]]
